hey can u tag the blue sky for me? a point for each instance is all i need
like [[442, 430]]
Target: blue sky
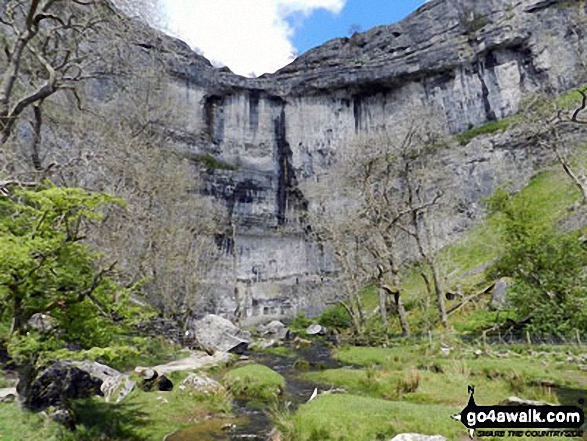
[[252, 37], [323, 25]]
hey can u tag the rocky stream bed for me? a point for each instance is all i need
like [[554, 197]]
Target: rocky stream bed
[[253, 421]]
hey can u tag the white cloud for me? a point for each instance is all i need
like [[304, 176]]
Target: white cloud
[[245, 35]]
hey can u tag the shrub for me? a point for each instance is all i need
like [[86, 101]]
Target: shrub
[[336, 317], [547, 268]]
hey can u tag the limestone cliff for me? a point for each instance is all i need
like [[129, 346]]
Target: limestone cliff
[[474, 61]]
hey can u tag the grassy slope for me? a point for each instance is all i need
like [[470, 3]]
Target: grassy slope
[[373, 406], [548, 195]]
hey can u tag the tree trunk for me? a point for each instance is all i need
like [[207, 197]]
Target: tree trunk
[[401, 310], [403, 315], [383, 307], [439, 293], [579, 183]]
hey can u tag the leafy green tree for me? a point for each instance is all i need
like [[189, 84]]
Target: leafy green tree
[[45, 268], [548, 269]]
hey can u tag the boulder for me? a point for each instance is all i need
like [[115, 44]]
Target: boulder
[[42, 323], [197, 360], [301, 343], [201, 384], [262, 344], [118, 387], [114, 383], [8, 397], [148, 380], [273, 330], [315, 329], [499, 296], [418, 437], [217, 334], [62, 415], [59, 384]]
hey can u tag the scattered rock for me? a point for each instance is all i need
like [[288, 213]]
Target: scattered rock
[[417, 437], [118, 387], [515, 401], [169, 329], [63, 416], [148, 374], [499, 296], [148, 379], [275, 329], [164, 384], [216, 334], [8, 398], [201, 384], [42, 323], [197, 360], [316, 329], [114, 383], [301, 343], [95, 369], [262, 344]]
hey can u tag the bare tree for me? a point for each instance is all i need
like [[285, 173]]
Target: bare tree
[[335, 227], [546, 120], [388, 177], [47, 50]]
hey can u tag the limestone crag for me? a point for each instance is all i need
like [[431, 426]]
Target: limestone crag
[[474, 61], [471, 61]]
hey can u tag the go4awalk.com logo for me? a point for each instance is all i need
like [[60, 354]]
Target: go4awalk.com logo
[[517, 421]]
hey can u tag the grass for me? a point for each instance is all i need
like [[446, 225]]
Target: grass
[[210, 162], [140, 417], [355, 418], [254, 381], [283, 351], [491, 127], [409, 381]]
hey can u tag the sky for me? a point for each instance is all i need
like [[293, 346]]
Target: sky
[[253, 37]]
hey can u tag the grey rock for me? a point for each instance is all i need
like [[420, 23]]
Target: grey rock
[[114, 383], [262, 344], [201, 384], [515, 401], [59, 384], [42, 323], [217, 334], [315, 329], [275, 329], [63, 416], [417, 437], [149, 374], [8, 398], [499, 295]]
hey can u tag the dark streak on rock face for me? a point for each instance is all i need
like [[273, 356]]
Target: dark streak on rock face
[[254, 96], [289, 196], [214, 118]]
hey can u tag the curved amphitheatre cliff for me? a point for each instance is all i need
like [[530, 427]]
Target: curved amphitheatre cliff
[[474, 60]]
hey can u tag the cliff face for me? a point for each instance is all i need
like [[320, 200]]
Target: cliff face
[[474, 61]]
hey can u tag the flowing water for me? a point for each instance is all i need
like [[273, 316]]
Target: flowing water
[[252, 421]]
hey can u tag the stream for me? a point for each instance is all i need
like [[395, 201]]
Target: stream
[[253, 422]]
